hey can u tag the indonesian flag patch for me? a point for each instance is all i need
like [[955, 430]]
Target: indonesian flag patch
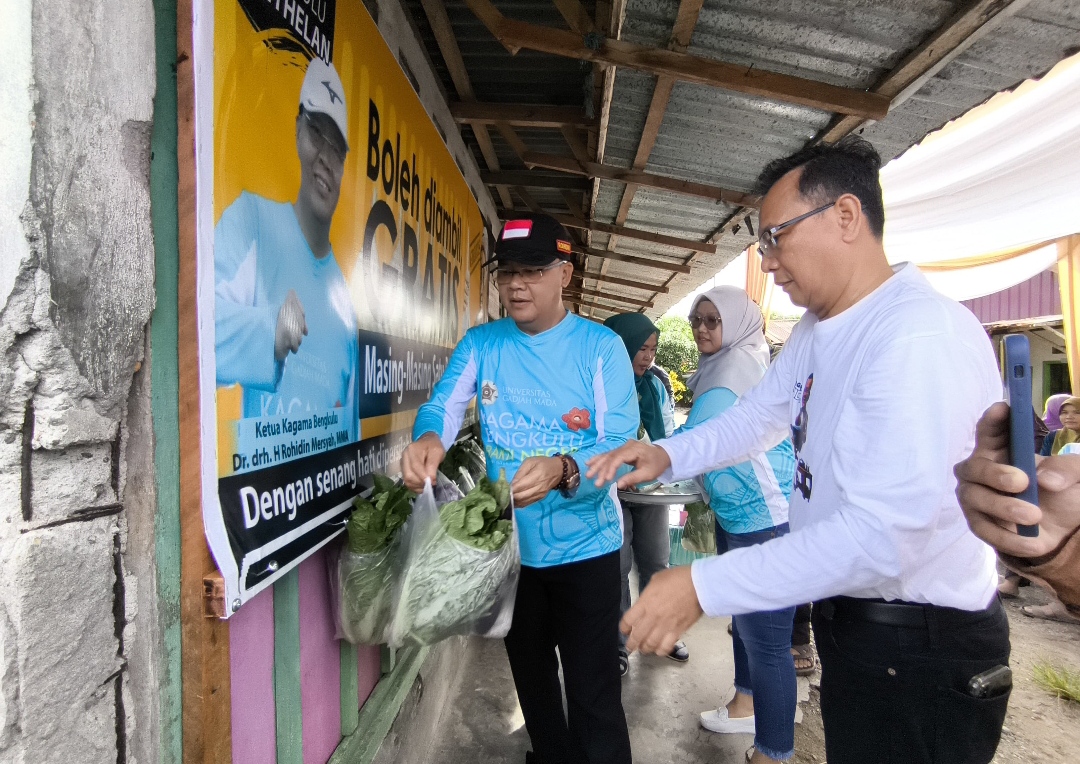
[[563, 246], [517, 229]]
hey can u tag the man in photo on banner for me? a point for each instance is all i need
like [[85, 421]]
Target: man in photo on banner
[[284, 325], [554, 390]]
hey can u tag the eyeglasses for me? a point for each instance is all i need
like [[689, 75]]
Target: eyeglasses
[[528, 275], [323, 142], [767, 244], [711, 322]]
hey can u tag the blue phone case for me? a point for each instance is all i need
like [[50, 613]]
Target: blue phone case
[[1017, 354]]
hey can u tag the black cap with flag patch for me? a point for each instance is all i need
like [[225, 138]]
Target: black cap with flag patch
[[532, 240]]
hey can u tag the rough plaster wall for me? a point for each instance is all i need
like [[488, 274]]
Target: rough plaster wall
[[76, 292]]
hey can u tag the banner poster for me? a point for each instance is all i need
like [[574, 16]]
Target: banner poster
[[339, 253]]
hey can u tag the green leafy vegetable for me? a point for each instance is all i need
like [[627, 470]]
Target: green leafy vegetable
[[699, 532], [367, 564], [375, 520], [475, 519]]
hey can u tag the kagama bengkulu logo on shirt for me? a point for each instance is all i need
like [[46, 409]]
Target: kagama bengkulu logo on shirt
[[489, 393]]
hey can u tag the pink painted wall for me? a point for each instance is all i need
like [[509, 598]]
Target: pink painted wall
[[1038, 296], [251, 668], [251, 665]]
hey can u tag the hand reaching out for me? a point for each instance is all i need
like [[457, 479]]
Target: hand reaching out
[[420, 461], [649, 462]]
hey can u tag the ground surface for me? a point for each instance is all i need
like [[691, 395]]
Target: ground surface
[[483, 724]]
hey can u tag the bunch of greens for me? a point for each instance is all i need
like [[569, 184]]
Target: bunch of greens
[[368, 562], [460, 573], [699, 532], [375, 520], [475, 519], [463, 463]]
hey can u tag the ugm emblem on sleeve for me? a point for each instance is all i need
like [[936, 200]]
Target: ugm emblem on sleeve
[[488, 393]]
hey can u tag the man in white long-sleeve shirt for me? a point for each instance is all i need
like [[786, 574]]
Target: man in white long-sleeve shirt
[[880, 386]]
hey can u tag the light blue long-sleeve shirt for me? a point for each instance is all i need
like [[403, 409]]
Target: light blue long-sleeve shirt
[[752, 495], [260, 253], [568, 390]]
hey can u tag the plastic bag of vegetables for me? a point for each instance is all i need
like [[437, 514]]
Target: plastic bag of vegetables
[[461, 567], [699, 531], [368, 563]]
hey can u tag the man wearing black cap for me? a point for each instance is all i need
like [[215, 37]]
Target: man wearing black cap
[[554, 390]]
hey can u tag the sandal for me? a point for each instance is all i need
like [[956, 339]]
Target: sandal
[[804, 654], [1055, 611]]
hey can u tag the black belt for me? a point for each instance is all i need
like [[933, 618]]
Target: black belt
[[904, 614]]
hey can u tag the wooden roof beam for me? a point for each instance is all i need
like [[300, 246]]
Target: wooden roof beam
[[520, 115], [959, 32], [531, 179], [576, 16], [595, 306], [607, 296], [515, 35], [634, 233], [644, 262], [643, 286], [607, 172]]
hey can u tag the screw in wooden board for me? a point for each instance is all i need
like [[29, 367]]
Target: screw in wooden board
[[235, 605]]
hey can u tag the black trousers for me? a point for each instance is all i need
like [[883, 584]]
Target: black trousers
[[574, 607], [800, 628], [899, 693]]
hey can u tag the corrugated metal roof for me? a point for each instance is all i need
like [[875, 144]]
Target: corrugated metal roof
[[724, 138], [1038, 296]]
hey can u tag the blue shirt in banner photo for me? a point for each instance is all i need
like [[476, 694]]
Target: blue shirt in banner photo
[[260, 254]]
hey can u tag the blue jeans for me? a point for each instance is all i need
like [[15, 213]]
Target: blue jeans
[[764, 667]]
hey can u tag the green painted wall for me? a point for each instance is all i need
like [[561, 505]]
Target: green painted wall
[[164, 375]]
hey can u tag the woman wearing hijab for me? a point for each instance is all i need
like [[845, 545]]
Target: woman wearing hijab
[[1067, 431], [645, 526], [750, 501], [1053, 409]]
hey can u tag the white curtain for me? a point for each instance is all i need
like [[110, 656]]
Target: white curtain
[[1005, 176]]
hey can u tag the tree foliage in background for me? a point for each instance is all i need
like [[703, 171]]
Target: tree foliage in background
[[677, 352]]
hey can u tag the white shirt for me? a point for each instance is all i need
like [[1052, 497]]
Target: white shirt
[[899, 381]]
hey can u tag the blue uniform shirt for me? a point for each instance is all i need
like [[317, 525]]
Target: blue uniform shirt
[[260, 253], [753, 495], [567, 390]]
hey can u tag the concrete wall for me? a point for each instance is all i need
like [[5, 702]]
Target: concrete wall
[[77, 621]]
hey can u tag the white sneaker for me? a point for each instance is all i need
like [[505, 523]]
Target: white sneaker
[[718, 720]]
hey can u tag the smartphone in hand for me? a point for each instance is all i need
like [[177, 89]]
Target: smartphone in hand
[[1017, 353]]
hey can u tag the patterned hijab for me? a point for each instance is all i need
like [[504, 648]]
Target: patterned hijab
[[743, 357]]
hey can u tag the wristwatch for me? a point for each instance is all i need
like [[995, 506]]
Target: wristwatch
[[571, 477]]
